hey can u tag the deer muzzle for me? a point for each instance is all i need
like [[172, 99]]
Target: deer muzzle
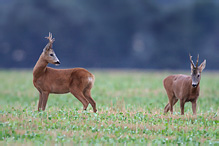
[[194, 85], [57, 63]]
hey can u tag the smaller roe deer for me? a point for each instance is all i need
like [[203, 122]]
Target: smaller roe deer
[[47, 80], [184, 88]]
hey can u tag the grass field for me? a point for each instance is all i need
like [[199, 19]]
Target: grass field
[[130, 111]]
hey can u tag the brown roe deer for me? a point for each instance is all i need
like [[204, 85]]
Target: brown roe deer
[[48, 80], [184, 88]]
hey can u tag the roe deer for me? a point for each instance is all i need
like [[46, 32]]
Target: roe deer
[[48, 80], [184, 88]]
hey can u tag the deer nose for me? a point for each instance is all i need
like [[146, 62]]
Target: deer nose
[[194, 85], [57, 62]]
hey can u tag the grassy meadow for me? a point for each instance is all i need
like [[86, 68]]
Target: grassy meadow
[[130, 111]]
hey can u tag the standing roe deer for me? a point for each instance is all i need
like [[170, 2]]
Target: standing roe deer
[[48, 80], [183, 87]]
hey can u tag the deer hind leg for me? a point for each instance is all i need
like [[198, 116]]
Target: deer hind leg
[[87, 95], [167, 107], [171, 98], [45, 96], [80, 96]]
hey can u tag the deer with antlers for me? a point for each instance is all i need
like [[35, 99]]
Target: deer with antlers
[[184, 88], [48, 80]]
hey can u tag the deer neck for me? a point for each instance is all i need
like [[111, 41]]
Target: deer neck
[[40, 67]]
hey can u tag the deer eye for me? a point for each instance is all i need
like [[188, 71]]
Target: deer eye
[[51, 54], [198, 76]]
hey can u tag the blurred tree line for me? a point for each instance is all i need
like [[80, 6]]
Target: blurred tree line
[[111, 34]]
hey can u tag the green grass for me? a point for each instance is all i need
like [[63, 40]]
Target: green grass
[[130, 111]]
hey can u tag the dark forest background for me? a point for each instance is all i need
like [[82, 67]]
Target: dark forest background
[[156, 34]]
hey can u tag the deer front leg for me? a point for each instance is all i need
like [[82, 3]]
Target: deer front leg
[[182, 103], [40, 102], [45, 96], [194, 107]]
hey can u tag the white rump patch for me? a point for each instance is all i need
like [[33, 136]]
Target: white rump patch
[[90, 79]]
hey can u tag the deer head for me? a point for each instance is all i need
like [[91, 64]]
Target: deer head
[[196, 71], [49, 54]]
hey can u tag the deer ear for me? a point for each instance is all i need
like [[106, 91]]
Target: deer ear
[[45, 49], [202, 66], [192, 67]]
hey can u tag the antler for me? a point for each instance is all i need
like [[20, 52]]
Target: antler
[[51, 40], [197, 61], [191, 60]]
